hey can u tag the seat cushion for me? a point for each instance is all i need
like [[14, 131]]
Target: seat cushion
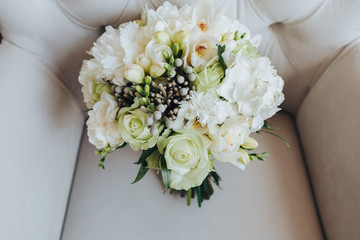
[[270, 200]]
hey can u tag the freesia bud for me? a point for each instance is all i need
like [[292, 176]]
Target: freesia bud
[[156, 70], [244, 157], [181, 37], [139, 89], [250, 144], [227, 36], [134, 73], [147, 80], [163, 38], [144, 62], [175, 48], [147, 90]]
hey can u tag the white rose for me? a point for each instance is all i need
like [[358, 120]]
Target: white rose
[[252, 83], [102, 124]]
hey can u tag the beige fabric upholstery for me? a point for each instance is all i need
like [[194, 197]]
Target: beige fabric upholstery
[[329, 126], [270, 200], [314, 46]]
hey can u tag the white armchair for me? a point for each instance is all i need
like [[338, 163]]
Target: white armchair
[[50, 187]]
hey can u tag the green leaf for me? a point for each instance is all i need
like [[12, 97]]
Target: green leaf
[[207, 191], [267, 125], [121, 146], [142, 171], [287, 144], [199, 195], [145, 154], [165, 173], [221, 49], [215, 177]]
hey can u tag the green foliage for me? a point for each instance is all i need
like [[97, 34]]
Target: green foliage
[[260, 156], [165, 173], [105, 152], [268, 129], [221, 49], [143, 164]]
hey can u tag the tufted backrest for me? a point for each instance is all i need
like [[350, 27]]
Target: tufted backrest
[[312, 43]]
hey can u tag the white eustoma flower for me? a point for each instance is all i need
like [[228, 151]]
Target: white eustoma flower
[[206, 109], [252, 83], [203, 50], [102, 123]]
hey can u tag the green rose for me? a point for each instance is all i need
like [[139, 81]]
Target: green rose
[[133, 128], [246, 49], [209, 79], [98, 89], [186, 155]]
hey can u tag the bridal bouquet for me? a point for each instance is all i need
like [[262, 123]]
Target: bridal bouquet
[[186, 86]]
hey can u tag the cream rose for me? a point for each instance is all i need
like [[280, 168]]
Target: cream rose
[[186, 155], [133, 128]]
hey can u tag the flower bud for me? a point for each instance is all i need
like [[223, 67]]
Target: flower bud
[[175, 48], [166, 55], [147, 80], [144, 62], [139, 89], [244, 157], [156, 70], [147, 90], [227, 36], [182, 38], [134, 73], [250, 144], [163, 38]]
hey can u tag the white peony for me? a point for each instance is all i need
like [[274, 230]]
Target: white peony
[[118, 47], [108, 51], [206, 109], [102, 123], [252, 83]]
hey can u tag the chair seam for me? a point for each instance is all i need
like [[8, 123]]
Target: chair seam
[[53, 69], [74, 19]]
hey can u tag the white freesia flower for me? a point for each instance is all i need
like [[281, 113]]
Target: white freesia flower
[[154, 51], [227, 140], [205, 108], [252, 83], [102, 124]]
